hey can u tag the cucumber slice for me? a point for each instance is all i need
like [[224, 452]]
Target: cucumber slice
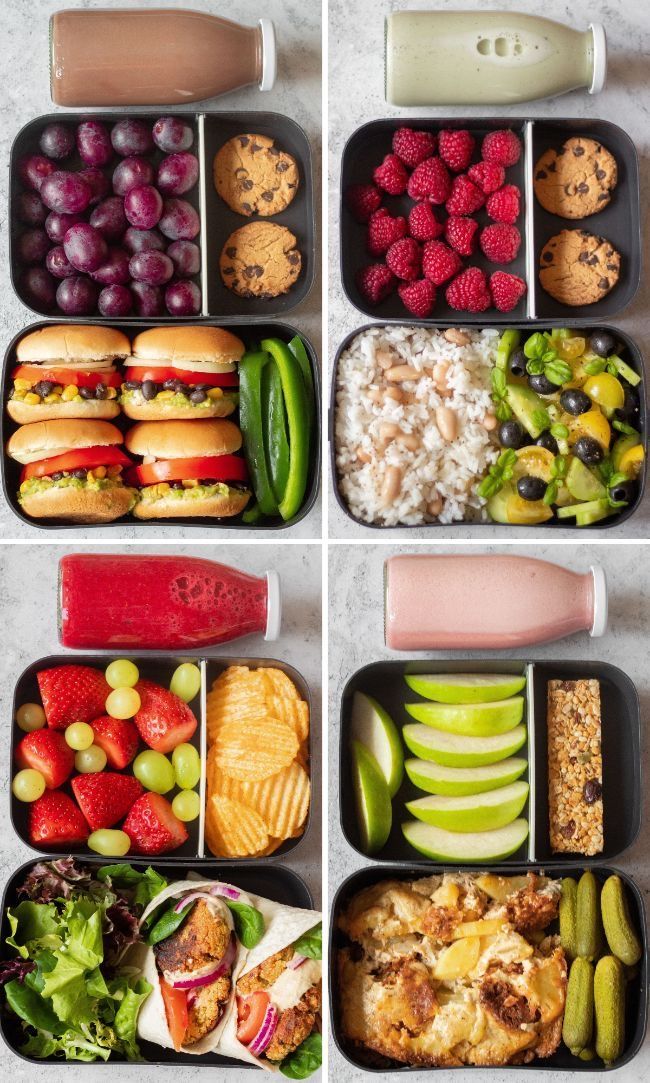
[[582, 483]]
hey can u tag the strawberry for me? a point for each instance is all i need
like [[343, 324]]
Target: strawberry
[[55, 822], [455, 148], [430, 180], [439, 262], [423, 224], [362, 200], [391, 176], [105, 797], [383, 230], [460, 233], [503, 205], [46, 751], [163, 720], [119, 739], [500, 242], [507, 290], [469, 291], [404, 259], [465, 197], [502, 147], [72, 694], [375, 282], [152, 826], [487, 175], [413, 147], [418, 297]]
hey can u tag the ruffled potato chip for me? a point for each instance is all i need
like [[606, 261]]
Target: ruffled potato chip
[[253, 752], [232, 829]]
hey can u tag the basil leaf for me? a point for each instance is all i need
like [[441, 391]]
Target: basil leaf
[[535, 367], [595, 367], [305, 1060], [310, 943], [560, 432], [168, 923], [498, 380], [249, 923], [503, 412], [550, 495], [535, 346], [617, 479], [541, 419], [558, 372]]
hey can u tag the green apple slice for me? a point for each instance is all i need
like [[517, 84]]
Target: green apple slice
[[469, 849], [374, 728], [456, 781], [470, 719], [374, 807], [472, 812], [452, 750], [465, 687]]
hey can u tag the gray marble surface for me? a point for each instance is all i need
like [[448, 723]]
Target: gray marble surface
[[356, 95], [28, 590], [25, 95], [356, 588]]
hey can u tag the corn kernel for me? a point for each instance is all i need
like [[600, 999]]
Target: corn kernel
[[22, 385], [111, 393], [100, 471], [191, 483], [165, 395], [52, 398], [32, 399], [114, 471], [69, 393], [90, 476], [215, 393], [20, 395], [24, 487], [163, 488], [57, 389]]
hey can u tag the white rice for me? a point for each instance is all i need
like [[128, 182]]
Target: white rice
[[450, 471]]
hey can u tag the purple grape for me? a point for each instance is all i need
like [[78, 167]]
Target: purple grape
[[154, 268], [29, 209], [115, 301], [94, 143], [109, 218], [38, 288], [114, 271], [177, 174], [130, 136], [172, 134], [57, 141], [77, 296], [183, 299], [143, 240], [57, 225], [58, 263], [130, 173], [85, 247], [97, 183], [147, 300], [143, 206], [67, 193], [186, 257], [179, 220], [33, 169], [32, 246]]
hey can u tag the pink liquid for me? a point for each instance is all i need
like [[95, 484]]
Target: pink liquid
[[470, 602]]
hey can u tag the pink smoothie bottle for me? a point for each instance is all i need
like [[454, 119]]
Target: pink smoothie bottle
[[471, 602]]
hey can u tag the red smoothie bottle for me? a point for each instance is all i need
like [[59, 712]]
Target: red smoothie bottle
[[161, 602]]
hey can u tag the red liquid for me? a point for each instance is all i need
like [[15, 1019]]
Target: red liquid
[[156, 602]]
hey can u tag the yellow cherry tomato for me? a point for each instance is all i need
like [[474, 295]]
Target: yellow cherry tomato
[[632, 461], [534, 461], [606, 390], [592, 423], [527, 512], [571, 348]]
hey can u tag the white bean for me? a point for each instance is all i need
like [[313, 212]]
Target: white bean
[[447, 422], [388, 430], [439, 373], [455, 335], [398, 373], [375, 394], [394, 393], [391, 486], [384, 360], [434, 507], [489, 422], [364, 457], [408, 440]]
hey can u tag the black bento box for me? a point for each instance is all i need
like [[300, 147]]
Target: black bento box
[[562, 1061], [619, 222], [279, 884], [218, 221], [621, 753], [250, 333], [158, 668]]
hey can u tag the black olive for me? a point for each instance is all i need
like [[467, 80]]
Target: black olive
[[58, 474], [629, 411], [531, 488], [149, 390], [517, 363], [511, 434], [87, 392], [79, 474], [132, 385], [542, 385], [548, 441], [181, 388], [198, 396], [602, 343], [202, 387], [574, 401], [625, 490], [588, 451], [43, 388], [169, 385], [101, 391]]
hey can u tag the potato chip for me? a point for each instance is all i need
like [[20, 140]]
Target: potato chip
[[232, 829], [261, 748], [273, 845], [278, 683], [283, 800], [295, 712]]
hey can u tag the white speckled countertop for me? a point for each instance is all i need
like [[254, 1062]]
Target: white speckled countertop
[[25, 95], [356, 588], [356, 95], [28, 576]]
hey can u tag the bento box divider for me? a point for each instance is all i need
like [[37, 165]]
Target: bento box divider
[[532, 768], [529, 220], [203, 744], [203, 235]]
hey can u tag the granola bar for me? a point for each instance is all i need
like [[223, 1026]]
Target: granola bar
[[575, 767]]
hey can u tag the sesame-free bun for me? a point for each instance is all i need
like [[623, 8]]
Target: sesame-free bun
[[182, 343], [24, 414], [72, 343], [220, 506], [45, 439], [79, 505], [160, 411], [183, 439]]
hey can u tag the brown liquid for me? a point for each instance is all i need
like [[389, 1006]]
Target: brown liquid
[[149, 57]]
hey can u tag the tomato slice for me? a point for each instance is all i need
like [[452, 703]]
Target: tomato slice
[[159, 375], [67, 376], [175, 1001], [219, 467], [85, 458], [250, 1014]]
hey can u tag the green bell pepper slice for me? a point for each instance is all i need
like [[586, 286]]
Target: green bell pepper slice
[[251, 424], [276, 444], [297, 412], [297, 347]]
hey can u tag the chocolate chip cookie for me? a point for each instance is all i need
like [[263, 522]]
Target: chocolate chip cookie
[[253, 177], [576, 180], [578, 268], [260, 260]]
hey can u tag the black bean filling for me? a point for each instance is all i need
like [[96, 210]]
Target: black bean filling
[[45, 387], [196, 393]]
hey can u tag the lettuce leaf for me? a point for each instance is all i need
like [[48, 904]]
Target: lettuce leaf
[[33, 925]]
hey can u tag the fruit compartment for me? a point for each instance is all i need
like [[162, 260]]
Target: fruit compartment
[[250, 335], [159, 669], [621, 220], [634, 355], [621, 738], [280, 884], [562, 1060]]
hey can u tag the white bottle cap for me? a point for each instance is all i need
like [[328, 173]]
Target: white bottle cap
[[273, 606], [600, 58], [269, 54], [599, 622]]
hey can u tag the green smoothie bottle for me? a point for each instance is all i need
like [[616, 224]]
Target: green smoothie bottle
[[495, 57]]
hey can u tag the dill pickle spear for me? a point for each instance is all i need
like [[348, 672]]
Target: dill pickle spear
[[568, 905], [609, 1003], [578, 1025], [589, 937], [619, 930]]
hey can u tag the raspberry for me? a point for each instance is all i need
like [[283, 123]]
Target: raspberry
[[423, 224], [488, 175], [405, 259], [469, 291], [500, 242], [455, 149], [502, 147], [391, 176], [507, 290], [383, 230], [461, 234], [419, 297], [503, 205], [362, 200], [413, 147], [375, 282], [465, 197], [430, 180], [440, 263]]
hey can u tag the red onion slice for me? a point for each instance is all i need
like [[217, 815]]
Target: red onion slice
[[297, 961], [263, 1037], [226, 890], [220, 969], [218, 889]]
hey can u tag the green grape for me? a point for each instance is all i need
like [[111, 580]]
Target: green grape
[[30, 717], [154, 771], [28, 785], [109, 843], [122, 674], [186, 805], [79, 736], [89, 760], [186, 681], [187, 765], [123, 703]]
